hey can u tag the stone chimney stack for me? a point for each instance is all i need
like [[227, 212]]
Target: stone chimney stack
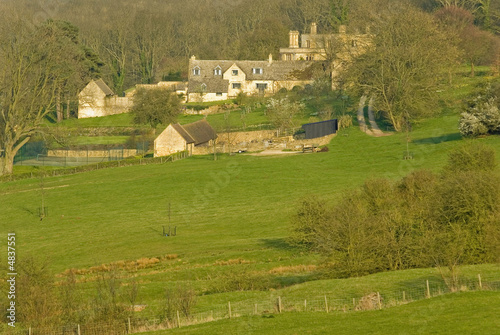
[[294, 39], [314, 28], [270, 58]]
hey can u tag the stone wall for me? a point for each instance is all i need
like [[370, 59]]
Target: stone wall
[[258, 141]]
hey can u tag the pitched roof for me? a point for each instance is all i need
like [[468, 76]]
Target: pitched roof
[[185, 135], [276, 70], [197, 132], [214, 84], [105, 88], [200, 131]]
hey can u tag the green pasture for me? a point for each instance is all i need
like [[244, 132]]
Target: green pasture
[[231, 216], [459, 313]]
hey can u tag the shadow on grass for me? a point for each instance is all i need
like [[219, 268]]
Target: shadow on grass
[[276, 243], [439, 139]]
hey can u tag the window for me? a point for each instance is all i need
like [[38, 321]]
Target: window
[[234, 72], [257, 70], [219, 94], [262, 87], [203, 87], [237, 86], [217, 71], [196, 71], [288, 56], [308, 44]]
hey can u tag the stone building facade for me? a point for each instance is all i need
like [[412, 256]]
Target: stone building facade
[[188, 137], [214, 80], [97, 99]]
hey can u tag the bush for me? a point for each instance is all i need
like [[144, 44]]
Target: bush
[[423, 220]]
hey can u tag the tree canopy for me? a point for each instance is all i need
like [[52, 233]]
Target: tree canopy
[[403, 67]]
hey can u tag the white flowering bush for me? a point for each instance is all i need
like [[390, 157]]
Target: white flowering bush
[[482, 117]]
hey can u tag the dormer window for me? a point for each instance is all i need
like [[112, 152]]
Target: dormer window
[[196, 71], [234, 72], [203, 87], [218, 71], [257, 70]]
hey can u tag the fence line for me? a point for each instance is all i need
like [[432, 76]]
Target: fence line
[[279, 304], [98, 166]]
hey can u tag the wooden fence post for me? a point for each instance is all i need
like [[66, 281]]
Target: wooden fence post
[[428, 289], [229, 308], [305, 305], [354, 302], [480, 283], [326, 304], [404, 296], [29, 330], [79, 331], [255, 309], [378, 301], [129, 326], [279, 304], [178, 320]]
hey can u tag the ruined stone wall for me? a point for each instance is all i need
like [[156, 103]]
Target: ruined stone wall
[[258, 141]]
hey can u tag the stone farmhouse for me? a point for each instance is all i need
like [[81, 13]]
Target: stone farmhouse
[[213, 80], [97, 99], [188, 137]]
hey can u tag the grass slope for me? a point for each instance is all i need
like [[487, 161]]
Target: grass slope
[[449, 314]]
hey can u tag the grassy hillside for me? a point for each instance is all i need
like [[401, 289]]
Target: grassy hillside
[[231, 216], [448, 314]]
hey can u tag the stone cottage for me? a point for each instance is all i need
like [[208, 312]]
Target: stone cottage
[[97, 99], [186, 137], [213, 80]]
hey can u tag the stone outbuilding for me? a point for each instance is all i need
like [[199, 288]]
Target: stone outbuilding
[[97, 99], [188, 137]]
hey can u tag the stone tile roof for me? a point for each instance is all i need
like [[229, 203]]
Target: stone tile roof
[[197, 132], [215, 84], [105, 88], [275, 70]]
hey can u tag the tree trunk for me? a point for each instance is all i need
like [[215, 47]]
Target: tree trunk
[[7, 160], [6, 163], [59, 111], [67, 109]]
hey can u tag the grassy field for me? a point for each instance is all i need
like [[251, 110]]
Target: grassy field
[[231, 216], [448, 314]]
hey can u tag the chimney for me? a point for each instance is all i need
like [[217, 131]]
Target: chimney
[[294, 39], [314, 28], [270, 58]]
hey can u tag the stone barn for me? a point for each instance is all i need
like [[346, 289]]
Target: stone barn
[[97, 99], [186, 137]]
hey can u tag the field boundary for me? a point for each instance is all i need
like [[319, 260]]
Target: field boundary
[[373, 300], [96, 166]]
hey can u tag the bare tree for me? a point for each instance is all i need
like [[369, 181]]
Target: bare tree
[[29, 79]]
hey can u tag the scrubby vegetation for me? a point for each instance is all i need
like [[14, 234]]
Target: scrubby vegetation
[[423, 220]]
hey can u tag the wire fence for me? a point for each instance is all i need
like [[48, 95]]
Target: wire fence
[[97, 166], [327, 303]]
